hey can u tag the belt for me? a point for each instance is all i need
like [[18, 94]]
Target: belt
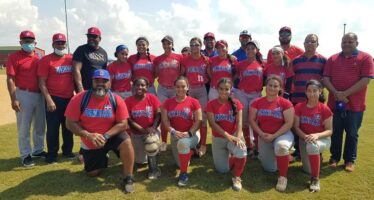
[[29, 89]]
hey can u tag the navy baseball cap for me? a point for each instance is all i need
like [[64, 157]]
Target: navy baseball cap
[[101, 73]]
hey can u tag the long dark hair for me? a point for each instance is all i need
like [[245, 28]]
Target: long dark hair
[[258, 54], [234, 107], [138, 54], [318, 84]]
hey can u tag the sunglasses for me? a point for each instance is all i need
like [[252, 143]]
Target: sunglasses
[[90, 36], [60, 42], [194, 45]]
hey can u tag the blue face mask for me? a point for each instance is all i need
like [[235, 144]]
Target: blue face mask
[[28, 47]]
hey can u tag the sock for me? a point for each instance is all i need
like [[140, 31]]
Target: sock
[[183, 160], [164, 134], [203, 134], [314, 161], [247, 137], [239, 166], [282, 164]]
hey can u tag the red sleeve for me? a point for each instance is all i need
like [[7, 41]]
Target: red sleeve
[[73, 110], [166, 103], [155, 102], [128, 103], [286, 104], [238, 104], [121, 111], [11, 65], [326, 112], [254, 104], [327, 68], [298, 109], [367, 67], [269, 57], [209, 106], [195, 104], [43, 68]]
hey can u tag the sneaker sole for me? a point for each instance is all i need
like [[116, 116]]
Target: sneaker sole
[[182, 184]]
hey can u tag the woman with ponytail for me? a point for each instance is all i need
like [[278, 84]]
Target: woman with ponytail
[[142, 63], [228, 146], [194, 67], [250, 73], [313, 125], [220, 66]]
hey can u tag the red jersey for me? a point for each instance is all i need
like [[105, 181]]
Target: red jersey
[[24, 68], [142, 112], [219, 68], [281, 71], [58, 72], [181, 114], [251, 76], [195, 70], [120, 74], [291, 53], [223, 115], [345, 72], [168, 68], [311, 119], [98, 117], [142, 67], [270, 114]]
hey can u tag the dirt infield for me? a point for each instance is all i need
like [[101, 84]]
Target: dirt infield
[[7, 115]]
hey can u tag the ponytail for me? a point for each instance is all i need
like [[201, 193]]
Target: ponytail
[[234, 106], [318, 84], [148, 55]]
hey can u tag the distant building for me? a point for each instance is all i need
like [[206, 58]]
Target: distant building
[[5, 51]]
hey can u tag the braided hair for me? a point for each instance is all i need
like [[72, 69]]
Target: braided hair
[[234, 106], [142, 38]]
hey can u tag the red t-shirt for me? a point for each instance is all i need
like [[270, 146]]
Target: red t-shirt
[[24, 68], [270, 114], [98, 117], [58, 72], [291, 53], [168, 68], [143, 111], [181, 114], [311, 119], [120, 73], [195, 69], [223, 115], [142, 67], [251, 76], [219, 68], [345, 72], [280, 71]]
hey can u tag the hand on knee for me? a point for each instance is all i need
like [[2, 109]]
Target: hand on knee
[[282, 148]]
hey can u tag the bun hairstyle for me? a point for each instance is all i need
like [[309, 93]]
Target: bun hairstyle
[[319, 85], [142, 38], [278, 79], [234, 107]]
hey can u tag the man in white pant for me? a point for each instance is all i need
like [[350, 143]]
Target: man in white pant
[[27, 101]]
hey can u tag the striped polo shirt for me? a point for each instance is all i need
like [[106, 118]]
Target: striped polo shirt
[[306, 69]]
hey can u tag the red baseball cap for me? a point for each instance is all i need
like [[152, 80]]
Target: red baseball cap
[[209, 34], [285, 28], [94, 31], [59, 37], [27, 34], [221, 43]]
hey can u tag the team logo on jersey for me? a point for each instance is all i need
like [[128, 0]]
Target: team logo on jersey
[[276, 113], [180, 113], [252, 72], [173, 64], [121, 76], [106, 107], [225, 117], [64, 69], [222, 69], [314, 121], [98, 113], [147, 66], [148, 112], [196, 69], [96, 56]]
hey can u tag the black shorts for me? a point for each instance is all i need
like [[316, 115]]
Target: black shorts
[[97, 158]]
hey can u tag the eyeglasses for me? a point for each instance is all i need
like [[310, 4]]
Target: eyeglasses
[[310, 42]]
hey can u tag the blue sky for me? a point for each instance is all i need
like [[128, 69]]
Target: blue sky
[[122, 21]]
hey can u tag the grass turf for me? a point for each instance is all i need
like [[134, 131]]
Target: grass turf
[[66, 180]]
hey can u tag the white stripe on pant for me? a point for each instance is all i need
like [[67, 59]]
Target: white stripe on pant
[[183, 145], [268, 151], [221, 149], [312, 149], [32, 112]]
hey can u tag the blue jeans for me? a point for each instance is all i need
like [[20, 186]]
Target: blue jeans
[[349, 122], [54, 120]]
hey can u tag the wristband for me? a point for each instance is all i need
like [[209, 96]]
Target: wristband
[[106, 136]]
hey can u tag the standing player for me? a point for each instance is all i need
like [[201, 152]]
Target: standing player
[[250, 74], [186, 51], [244, 38], [181, 116], [142, 63], [22, 82], [209, 43], [56, 83], [120, 72], [87, 58], [145, 117], [194, 67], [225, 118], [99, 117], [291, 51], [271, 117], [313, 124], [220, 66], [168, 69]]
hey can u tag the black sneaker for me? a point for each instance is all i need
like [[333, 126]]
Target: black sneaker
[[69, 155], [27, 162], [50, 160], [38, 155], [127, 184]]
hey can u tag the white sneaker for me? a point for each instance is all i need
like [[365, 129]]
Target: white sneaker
[[236, 183], [282, 184], [163, 146], [314, 185]]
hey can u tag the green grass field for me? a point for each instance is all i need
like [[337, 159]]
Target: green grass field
[[67, 181]]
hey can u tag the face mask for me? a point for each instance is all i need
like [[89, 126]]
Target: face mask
[[100, 91], [28, 47], [60, 52]]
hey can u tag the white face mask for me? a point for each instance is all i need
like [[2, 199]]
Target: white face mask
[[60, 52]]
